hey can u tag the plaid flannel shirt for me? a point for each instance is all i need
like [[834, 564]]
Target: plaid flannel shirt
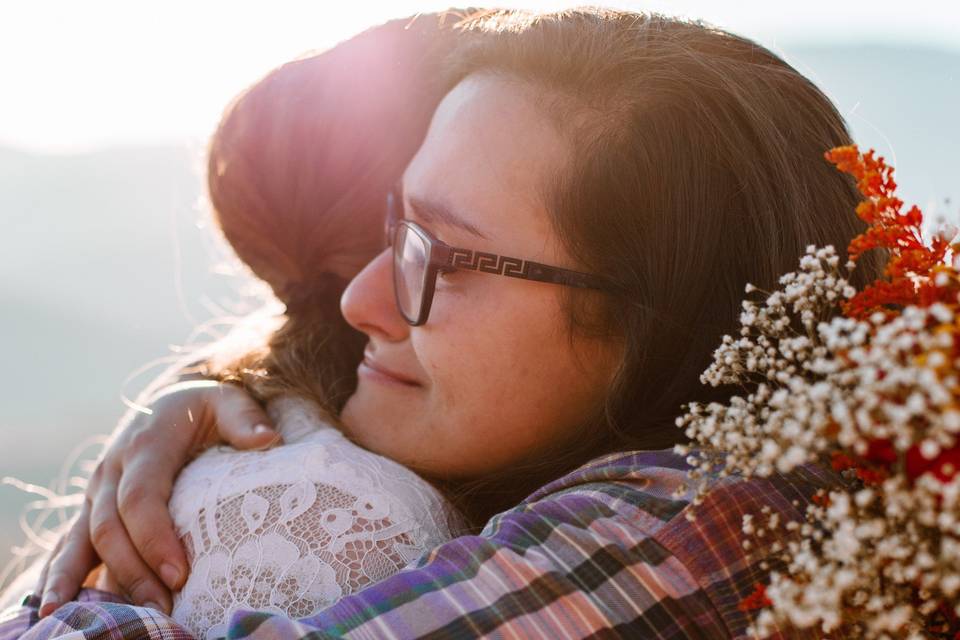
[[606, 551]]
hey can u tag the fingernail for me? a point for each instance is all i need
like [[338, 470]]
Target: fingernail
[[49, 603], [262, 428], [170, 575]]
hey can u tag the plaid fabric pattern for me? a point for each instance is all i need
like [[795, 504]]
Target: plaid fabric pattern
[[606, 551], [94, 614]]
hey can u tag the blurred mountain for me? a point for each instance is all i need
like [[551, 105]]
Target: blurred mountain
[[106, 261], [103, 267]]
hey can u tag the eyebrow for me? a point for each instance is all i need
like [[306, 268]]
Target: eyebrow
[[434, 212]]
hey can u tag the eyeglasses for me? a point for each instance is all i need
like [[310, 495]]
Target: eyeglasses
[[418, 257]]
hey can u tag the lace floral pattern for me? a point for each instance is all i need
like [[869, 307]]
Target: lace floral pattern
[[294, 528]]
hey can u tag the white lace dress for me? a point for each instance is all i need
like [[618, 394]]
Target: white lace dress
[[294, 528]]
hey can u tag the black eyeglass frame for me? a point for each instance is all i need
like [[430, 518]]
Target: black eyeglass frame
[[443, 258]]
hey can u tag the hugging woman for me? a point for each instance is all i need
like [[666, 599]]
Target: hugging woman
[[567, 244]]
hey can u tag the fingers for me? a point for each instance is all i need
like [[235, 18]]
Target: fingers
[[152, 460], [79, 534], [143, 497], [42, 578], [241, 421], [131, 523], [126, 522], [111, 541], [68, 568], [40, 589]]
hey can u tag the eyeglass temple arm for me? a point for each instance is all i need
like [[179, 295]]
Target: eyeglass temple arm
[[456, 258]]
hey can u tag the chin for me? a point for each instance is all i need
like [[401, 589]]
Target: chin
[[394, 429], [366, 422]]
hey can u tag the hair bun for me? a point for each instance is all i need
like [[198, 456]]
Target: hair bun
[[316, 294]]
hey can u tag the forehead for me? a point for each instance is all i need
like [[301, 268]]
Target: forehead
[[491, 156]]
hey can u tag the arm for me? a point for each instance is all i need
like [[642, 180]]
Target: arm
[[581, 560], [565, 566], [607, 551]]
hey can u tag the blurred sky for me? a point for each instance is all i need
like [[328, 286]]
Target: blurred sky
[[75, 76]]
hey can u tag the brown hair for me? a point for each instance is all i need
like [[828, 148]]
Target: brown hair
[[699, 168], [297, 174]]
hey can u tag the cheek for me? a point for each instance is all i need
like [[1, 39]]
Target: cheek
[[503, 385], [480, 349]]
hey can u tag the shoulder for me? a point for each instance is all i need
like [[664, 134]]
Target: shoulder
[[639, 501], [638, 487]]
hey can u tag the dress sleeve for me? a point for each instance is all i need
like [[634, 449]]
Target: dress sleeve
[[573, 564]]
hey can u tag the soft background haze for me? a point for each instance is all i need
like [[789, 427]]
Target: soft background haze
[[106, 261]]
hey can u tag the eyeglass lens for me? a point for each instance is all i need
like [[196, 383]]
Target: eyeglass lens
[[409, 270]]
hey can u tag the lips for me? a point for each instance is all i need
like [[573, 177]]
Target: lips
[[389, 373]]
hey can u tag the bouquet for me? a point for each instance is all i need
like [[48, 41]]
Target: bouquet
[[867, 382]]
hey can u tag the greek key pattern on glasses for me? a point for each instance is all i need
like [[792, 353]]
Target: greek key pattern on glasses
[[489, 263], [517, 268]]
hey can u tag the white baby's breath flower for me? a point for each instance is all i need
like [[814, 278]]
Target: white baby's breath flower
[[818, 382]]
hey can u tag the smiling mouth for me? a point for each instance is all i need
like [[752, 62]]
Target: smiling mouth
[[377, 373]]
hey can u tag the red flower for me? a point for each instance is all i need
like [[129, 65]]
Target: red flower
[[756, 600], [943, 467], [881, 451], [822, 499], [841, 461], [872, 475]]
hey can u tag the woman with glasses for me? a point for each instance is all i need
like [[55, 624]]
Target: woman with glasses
[[565, 249]]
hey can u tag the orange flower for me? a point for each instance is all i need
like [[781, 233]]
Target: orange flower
[[909, 275]]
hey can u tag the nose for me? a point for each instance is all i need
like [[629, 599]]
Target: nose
[[368, 302]]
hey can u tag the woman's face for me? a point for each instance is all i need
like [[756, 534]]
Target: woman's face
[[494, 377]]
